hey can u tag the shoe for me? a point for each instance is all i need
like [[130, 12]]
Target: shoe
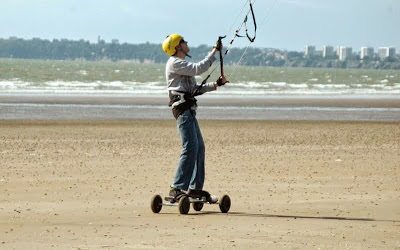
[[201, 193], [212, 199], [176, 193], [195, 193]]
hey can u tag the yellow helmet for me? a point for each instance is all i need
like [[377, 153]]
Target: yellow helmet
[[170, 43]]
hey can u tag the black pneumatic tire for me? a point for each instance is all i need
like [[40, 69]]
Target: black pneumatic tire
[[198, 206], [225, 204], [156, 204], [184, 205]]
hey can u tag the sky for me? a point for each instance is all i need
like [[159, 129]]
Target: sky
[[281, 24]]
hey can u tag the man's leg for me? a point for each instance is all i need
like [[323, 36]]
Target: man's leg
[[187, 131], [197, 181]]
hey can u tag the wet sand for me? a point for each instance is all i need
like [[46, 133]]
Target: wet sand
[[273, 108], [210, 100], [303, 185]]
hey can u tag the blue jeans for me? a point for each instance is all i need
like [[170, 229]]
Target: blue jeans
[[190, 173]]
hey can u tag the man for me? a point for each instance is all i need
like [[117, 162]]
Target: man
[[182, 87]]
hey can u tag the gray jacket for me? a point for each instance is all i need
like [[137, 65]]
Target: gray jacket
[[180, 76]]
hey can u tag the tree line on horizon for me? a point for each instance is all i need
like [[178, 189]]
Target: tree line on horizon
[[65, 49]]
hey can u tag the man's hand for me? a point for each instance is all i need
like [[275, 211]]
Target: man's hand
[[221, 81], [218, 47]]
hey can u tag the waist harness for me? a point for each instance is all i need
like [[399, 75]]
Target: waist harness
[[182, 102]]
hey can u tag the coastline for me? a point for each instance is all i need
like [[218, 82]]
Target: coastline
[[127, 107], [373, 101]]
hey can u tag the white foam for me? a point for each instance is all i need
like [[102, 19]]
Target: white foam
[[377, 86], [73, 84], [83, 72], [331, 86], [235, 88], [298, 86], [114, 84], [278, 84]]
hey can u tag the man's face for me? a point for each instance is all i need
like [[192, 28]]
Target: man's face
[[184, 46]]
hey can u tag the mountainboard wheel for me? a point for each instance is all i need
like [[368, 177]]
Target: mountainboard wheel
[[225, 204], [198, 206], [156, 203], [184, 205]]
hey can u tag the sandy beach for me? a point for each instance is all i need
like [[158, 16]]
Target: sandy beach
[[293, 185]]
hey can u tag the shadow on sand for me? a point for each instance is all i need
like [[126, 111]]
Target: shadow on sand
[[292, 216]]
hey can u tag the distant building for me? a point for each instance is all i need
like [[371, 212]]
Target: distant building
[[309, 50], [366, 52], [115, 41], [386, 52], [337, 49], [392, 52], [382, 51], [327, 51], [345, 53]]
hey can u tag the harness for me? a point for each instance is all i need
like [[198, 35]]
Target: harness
[[181, 102]]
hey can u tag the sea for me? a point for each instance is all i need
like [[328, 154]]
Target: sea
[[49, 89]]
